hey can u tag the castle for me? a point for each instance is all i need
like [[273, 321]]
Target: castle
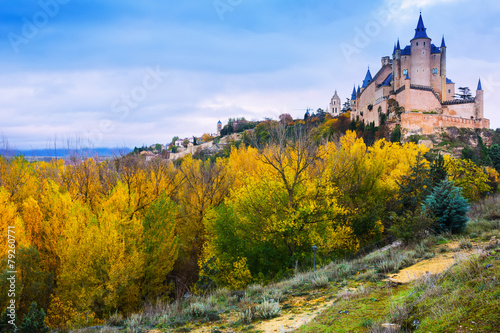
[[412, 88]]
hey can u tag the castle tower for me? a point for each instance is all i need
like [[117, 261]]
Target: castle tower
[[479, 101], [353, 99], [396, 67], [420, 62], [219, 127], [335, 105], [443, 71]]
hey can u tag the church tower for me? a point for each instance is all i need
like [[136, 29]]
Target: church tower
[[335, 105], [219, 127], [420, 62]]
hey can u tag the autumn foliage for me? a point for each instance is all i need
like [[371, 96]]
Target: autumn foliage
[[94, 238]]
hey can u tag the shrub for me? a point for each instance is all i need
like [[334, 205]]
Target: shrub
[[396, 134], [116, 319], [33, 321], [198, 309], [319, 281], [410, 226], [4, 322], [449, 208], [247, 316], [268, 309], [134, 321]]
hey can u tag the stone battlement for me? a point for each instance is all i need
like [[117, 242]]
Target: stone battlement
[[420, 123]]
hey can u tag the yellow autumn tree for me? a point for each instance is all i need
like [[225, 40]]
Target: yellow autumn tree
[[470, 177]]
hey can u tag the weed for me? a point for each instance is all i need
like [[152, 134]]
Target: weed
[[247, 316], [268, 309], [197, 309], [465, 243], [273, 293], [319, 280], [133, 322], [367, 323], [116, 319]]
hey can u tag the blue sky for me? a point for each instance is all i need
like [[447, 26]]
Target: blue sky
[[128, 73]]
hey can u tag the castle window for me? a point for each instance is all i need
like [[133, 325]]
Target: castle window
[[424, 43], [405, 71], [417, 43], [449, 91], [434, 71]]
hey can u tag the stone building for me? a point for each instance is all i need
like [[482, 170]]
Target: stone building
[[412, 87], [219, 127], [335, 106]]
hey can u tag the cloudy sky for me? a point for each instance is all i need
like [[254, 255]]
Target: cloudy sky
[[127, 73]]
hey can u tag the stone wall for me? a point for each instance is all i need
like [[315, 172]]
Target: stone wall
[[420, 123], [466, 110]]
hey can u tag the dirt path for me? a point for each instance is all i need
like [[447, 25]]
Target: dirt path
[[431, 266], [290, 321]]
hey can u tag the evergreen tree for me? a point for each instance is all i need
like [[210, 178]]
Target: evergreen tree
[[5, 327], [33, 321], [396, 134], [494, 155], [438, 171], [448, 206], [415, 186]]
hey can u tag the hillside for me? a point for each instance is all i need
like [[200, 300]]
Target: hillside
[[398, 288]]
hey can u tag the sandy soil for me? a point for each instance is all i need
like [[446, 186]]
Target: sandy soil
[[288, 322], [431, 266]]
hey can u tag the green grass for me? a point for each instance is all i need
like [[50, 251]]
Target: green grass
[[466, 298], [365, 309]]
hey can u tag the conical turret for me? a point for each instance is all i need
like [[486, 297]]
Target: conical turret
[[368, 79], [420, 31]]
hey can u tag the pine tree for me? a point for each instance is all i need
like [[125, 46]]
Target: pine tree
[[33, 321], [414, 187], [448, 206], [438, 171]]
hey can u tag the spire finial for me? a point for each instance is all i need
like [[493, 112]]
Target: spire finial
[[479, 85]]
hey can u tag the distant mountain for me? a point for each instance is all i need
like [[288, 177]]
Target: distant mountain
[[64, 153]]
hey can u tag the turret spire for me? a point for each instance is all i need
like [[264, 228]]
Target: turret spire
[[479, 86], [420, 32], [353, 96], [443, 44], [398, 47], [368, 78]]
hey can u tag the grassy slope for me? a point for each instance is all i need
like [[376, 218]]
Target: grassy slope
[[465, 298]]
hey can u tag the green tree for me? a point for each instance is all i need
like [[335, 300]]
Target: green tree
[[410, 226], [415, 186], [396, 134], [33, 321], [438, 170], [464, 94], [449, 207], [494, 154]]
